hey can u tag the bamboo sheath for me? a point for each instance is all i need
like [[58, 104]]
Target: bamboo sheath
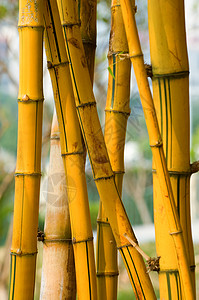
[[28, 168], [117, 112], [58, 268], [171, 99], [73, 154], [156, 144], [97, 152]]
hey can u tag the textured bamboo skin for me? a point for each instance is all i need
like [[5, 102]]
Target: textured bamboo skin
[[58, 268], [28, 168], [87, 11], [157, 149], [171, 99], [94, 141], [117, 112], [73, 155]]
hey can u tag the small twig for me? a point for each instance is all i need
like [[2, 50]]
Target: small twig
[[40, 235], [152, 262], [148, 70], [194, 167]]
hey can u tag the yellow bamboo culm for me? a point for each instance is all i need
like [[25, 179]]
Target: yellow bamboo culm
[[171, 98], [156, 144], [97, 152], [117, 112], [28, 168], [73, 154], [58, 268]]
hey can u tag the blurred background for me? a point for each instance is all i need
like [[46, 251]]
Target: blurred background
[[137, 191]]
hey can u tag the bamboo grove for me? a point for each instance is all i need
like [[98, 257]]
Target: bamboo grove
[[71, 267]]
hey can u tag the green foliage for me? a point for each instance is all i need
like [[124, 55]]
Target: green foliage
[[3, 11], [94, 207], [8, 123]]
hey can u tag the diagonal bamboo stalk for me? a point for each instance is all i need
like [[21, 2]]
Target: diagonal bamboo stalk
[[117, 112], [28, 168], [171, 99], [87, 10], [100, 164], [58, 269], [156, 144], [72, 153]]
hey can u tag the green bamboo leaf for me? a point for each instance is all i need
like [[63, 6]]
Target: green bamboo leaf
[[111, 73]]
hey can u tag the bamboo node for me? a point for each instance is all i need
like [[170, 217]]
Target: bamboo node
[[127, 114], [149, 71], [136, 55], [70, 25], [50, 65], [194, 167], [153, 264], [74, 241], [158, 144], [86, 104], [107, 274], [105, 177], [25, 98], [40, 235]]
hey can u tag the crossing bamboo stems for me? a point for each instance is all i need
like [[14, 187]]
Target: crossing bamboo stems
[[156, 144], [58, 268], [171, 99], [97, 152], [28, 168], [73, 154], [117, 112]]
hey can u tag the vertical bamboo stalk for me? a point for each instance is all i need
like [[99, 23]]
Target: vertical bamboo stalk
[[156, 144], [58, 268], [73, 154], [117, 112], [97, 152], [171, 98], [28, 168]]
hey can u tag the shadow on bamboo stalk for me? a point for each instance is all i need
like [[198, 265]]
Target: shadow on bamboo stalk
[[27, 176], [73, 154], [97, 152], [168, 204]]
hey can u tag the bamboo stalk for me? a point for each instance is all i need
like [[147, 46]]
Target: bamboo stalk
[[171, 99], [87, 11], [58, 269], [156, 144], [28, 168], [97, 152], [72, 153], [117, 111]]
